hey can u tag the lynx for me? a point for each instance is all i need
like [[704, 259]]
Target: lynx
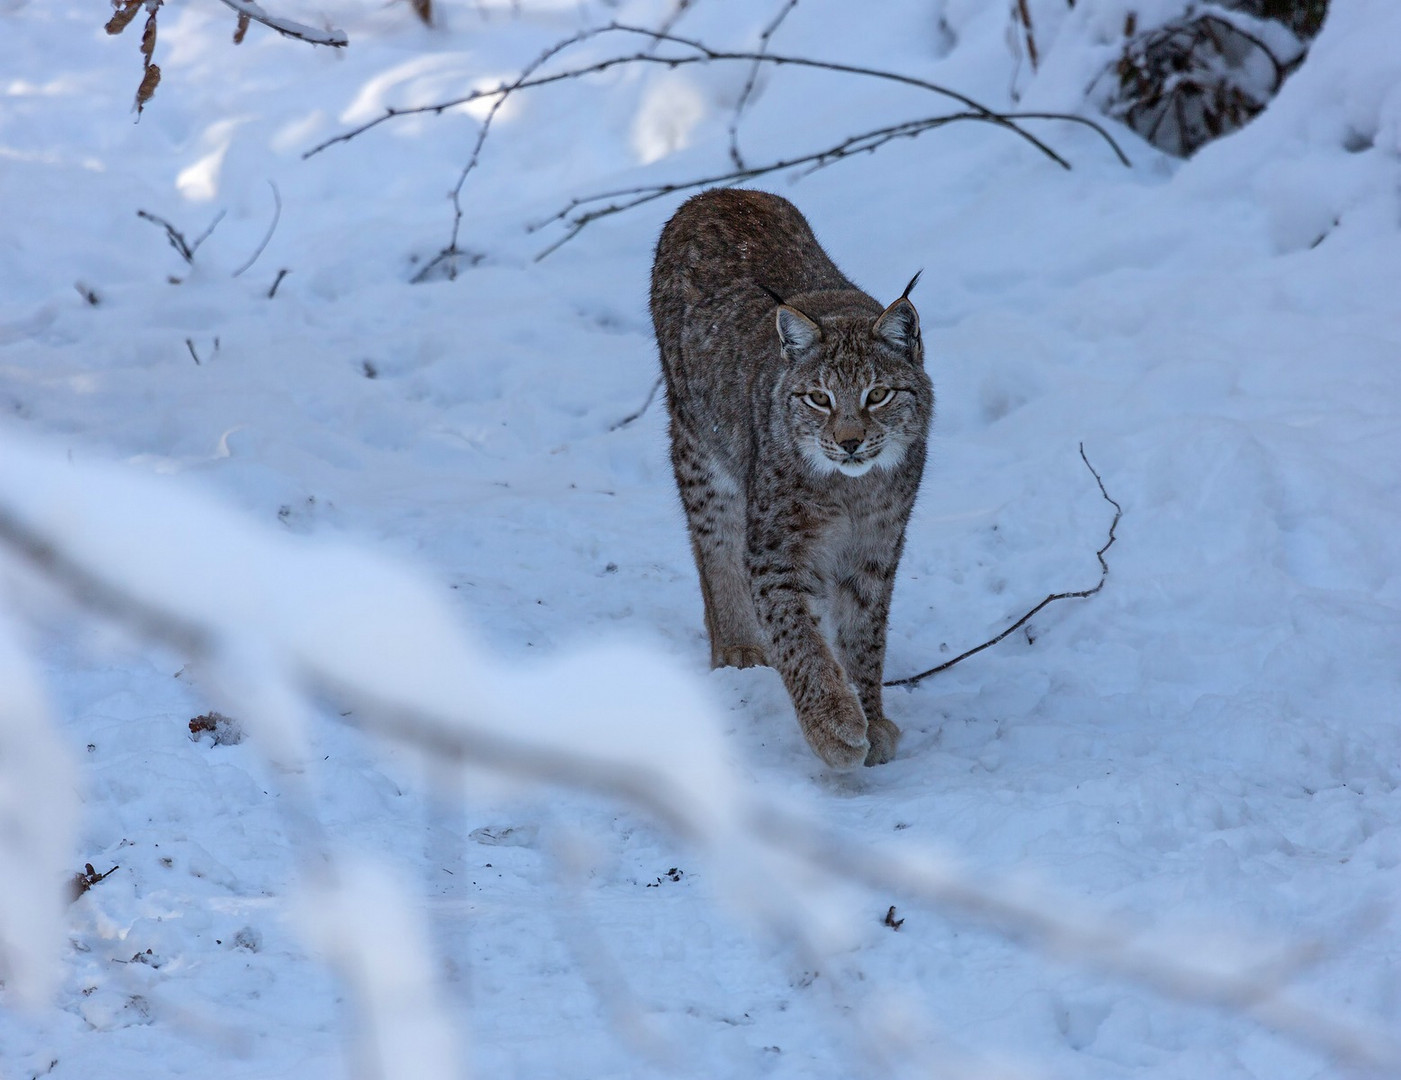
[[800, 411]]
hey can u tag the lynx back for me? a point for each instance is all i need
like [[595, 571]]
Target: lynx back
[[800, 411]]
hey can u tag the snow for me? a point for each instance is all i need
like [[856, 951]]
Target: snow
[[409, 504]]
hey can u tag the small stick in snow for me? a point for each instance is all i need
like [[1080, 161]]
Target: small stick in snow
[[651, 395], [914, 680], [277, 281], [185, 248]]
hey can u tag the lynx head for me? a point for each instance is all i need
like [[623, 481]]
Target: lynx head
[[854, 390]]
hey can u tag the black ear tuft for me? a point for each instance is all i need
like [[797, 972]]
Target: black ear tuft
[[796, 331], [898, 325], [772, 294], [910, 287]]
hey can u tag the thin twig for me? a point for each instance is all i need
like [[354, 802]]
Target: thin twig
[[277, 281], [703, 54], [749, 82], [915, 680], [651, 394], [186, 249], [272, 228], [855, 144], [451, 253], [1024, 16], [682, 6], [190, 344], [700, 53]]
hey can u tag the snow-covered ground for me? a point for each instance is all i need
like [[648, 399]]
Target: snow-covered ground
[[1206, 754]]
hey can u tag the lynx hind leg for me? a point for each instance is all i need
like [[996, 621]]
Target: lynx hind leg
[[715, 516]]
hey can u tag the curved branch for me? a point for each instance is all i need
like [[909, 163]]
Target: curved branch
[[863, 143], [702, 54], [914, 680], [267, 236]]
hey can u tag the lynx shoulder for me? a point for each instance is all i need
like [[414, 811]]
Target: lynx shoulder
[[800, 411]]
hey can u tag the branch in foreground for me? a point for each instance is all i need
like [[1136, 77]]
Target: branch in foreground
[[914, 680], [417, 700]]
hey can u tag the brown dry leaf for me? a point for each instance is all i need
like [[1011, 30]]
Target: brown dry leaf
[[242, 27], [149, 82], [122, 17], [424, 10], [148, 39]]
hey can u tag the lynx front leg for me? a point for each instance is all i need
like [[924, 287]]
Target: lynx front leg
[[715, 516], [860, 608], [831, 717]]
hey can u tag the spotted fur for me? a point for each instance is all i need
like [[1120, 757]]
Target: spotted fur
[[800, 412]]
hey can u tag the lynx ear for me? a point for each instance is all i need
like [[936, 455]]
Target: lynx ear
[[795, 330], [898, 326]]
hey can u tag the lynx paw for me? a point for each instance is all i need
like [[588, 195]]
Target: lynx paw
[[836, 731], [737, 656], [884, 737]]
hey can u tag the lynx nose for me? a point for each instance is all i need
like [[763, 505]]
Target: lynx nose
[[850, 445]]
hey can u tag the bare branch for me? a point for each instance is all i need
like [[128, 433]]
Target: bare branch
[[287, 27], [272, 228], [748, 91], [703, 54], [855, 144], [914, 680], [1023, 15], [186, 249], [451, 254], [697, 53]]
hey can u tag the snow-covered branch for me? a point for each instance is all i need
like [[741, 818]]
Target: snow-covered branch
[[289, 27], [275, 626]]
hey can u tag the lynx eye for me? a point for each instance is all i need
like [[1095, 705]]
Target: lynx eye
[[878, 395], [818, 399]]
